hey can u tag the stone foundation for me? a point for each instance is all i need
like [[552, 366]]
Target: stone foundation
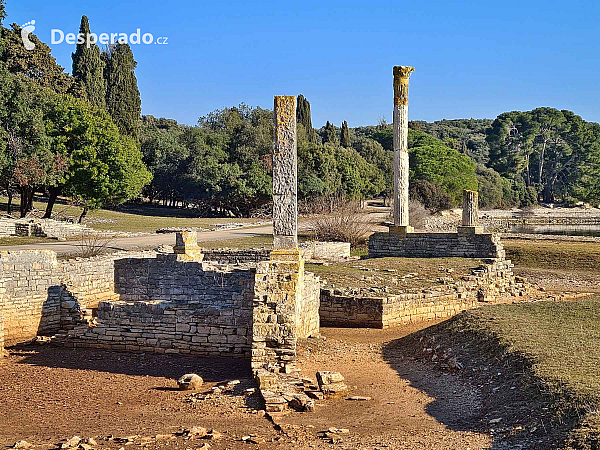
[[436, 245], [492, 282]]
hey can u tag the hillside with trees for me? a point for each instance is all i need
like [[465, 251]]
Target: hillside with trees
[[83, 136]]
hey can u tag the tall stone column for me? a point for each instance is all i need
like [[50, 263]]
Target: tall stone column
[[285, 174], [401, 79], [470, 214], [279, 281]]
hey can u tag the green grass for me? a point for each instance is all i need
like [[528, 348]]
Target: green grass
[[131, 218], [550, 350], [554, 255]]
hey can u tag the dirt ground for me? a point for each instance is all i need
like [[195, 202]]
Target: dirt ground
[[48, 395]]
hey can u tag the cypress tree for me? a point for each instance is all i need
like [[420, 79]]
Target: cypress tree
[[303, 116], [88, 68], [330, 134], [303, 113], [345, 141], [123, 101]]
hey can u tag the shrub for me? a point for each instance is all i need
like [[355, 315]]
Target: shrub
[[347, 224], [490, 187], [432, 196], [417, 214]]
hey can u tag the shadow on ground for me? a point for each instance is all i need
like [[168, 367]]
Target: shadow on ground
[[486, 389], [135, 364]]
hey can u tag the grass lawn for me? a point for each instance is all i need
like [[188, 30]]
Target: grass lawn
[[540, 363], [133, 218], [553, 255]]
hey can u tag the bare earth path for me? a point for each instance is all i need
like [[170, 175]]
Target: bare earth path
[[49, 394], [130, 243]]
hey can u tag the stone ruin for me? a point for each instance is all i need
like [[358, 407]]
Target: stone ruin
[[469, 242], [236, 303]]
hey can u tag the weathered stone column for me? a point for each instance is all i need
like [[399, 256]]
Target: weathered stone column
[[285, 174], [279, 281], [470, 214], [401, 78]]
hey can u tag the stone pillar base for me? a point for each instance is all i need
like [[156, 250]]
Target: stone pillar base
[[186, 247], [467, 231], [291, 254], [401, 230]]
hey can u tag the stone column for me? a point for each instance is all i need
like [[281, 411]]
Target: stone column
[[285, 174], [186, 246], [401, 78], [470, 214]]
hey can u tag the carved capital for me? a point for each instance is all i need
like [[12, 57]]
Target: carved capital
[[401, 78]]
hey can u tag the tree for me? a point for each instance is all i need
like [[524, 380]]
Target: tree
[[88, 68], [330, 134], [430, 160], [123, 101], [29, 161], [490, 187], [38, 64], [345, 140], [104, 168]]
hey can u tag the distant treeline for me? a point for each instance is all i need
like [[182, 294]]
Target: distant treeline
[[224, 165]]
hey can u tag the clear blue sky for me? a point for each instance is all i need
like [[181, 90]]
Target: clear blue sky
[[473, 59]]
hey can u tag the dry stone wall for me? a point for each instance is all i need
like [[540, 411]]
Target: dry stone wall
[[436, 245], [491, 282]]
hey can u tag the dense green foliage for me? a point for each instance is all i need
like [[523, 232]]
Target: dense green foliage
[[88, 68], [345, 137], [431, 196], [123, 101], [52, 139], [554, 152]]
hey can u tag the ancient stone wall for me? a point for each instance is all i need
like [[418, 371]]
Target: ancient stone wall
[[33, 284], [325, 251], [1, 336], [436, 245], [236, 256], [169, 327], [493, 282]]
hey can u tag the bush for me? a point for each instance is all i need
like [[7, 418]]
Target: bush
[[432, 196], [490, 187], [417, 214], [347, 224]]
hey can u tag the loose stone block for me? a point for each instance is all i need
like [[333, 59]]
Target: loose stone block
[[190, 382]]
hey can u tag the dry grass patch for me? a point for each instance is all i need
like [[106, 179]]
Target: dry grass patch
[[396, 274]]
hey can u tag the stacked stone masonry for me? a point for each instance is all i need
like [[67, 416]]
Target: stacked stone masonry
[[436, 245], [141, 301], [490, 282], [34, 286]]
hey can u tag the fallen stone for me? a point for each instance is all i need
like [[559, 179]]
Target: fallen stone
[[22, 444], [198, 432], [84, 446], [494, 421], [190, 382], [91, 441], [71, 443], [326, 377], [214, 435], [358, 398]]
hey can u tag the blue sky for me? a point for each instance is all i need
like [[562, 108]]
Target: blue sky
[[472, 59]]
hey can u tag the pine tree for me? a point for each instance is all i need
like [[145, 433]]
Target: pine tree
[[123, 101], [88, 68], [345, 141]]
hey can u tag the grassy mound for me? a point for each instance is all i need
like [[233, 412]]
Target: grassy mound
[[536, 365]]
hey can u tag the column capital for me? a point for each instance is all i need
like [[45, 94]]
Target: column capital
[[401, 78]]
